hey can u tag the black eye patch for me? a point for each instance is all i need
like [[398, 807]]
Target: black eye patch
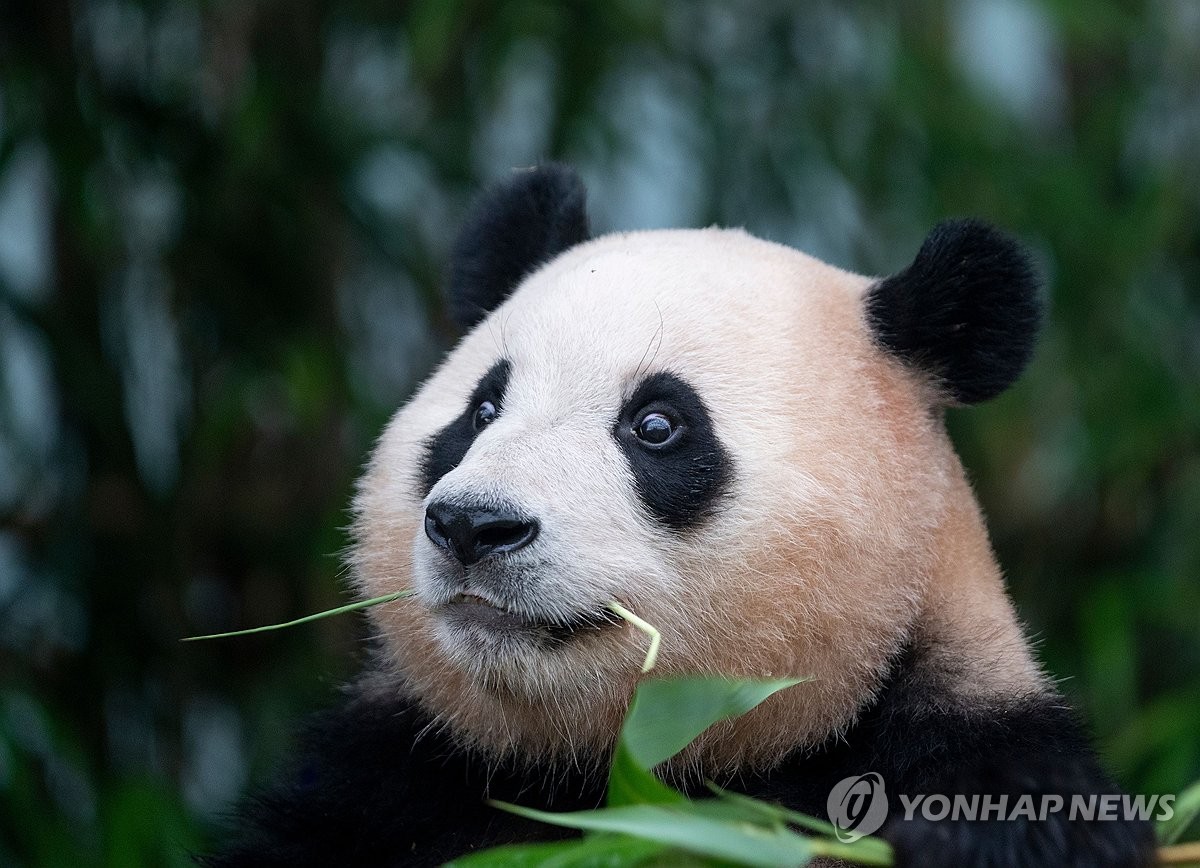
[[681, 482], [447, 448]]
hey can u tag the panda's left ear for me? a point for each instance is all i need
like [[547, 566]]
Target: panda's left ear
[[511, 229], [965, 312]]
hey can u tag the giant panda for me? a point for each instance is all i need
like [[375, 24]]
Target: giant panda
[[744, 446]]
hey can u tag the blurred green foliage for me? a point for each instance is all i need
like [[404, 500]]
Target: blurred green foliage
[[223, 227]]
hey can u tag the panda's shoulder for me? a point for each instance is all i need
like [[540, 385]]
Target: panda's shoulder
[[376, 780]]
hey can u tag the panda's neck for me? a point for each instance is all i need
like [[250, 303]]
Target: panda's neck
[[967, 618]]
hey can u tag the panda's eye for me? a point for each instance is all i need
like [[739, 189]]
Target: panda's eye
[[655, 429], [485, 414]]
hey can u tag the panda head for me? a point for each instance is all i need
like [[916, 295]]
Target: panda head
[[734, 440]]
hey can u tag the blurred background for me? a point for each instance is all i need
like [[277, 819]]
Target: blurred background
[[223, 233]]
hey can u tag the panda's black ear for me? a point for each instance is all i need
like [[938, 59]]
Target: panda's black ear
[[966, 312], [510, 230]]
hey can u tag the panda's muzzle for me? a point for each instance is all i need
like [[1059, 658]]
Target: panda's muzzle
[[472, 608], [472, 533]]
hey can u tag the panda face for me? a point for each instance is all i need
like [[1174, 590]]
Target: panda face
[[696, 424], [496, 577]]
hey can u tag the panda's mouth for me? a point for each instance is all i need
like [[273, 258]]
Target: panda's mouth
[[469, 608]]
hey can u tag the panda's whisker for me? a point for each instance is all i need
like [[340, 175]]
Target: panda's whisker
[[656, 342]]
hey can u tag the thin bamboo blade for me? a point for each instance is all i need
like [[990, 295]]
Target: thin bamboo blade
[[328, 613], [645, 627]]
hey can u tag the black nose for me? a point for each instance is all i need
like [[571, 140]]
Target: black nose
[[472, 533]]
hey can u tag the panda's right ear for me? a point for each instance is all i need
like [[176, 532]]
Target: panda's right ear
[[511, 229], [965, 313]]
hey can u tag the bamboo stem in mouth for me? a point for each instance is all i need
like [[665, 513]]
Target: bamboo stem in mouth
[[645, 627], [328, 613]]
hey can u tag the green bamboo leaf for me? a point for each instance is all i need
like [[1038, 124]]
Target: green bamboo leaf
[[864, 851], [774, 811], [328, 613], [630, 784], [690, 826], [664, 717], [667, 714], [1187, 809], [764, 812]]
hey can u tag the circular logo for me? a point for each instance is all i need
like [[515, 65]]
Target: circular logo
[[857, 806]]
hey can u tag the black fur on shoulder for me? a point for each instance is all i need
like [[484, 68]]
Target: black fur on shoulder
[[1031, 745], [512, 229], [375, 784], [924, 741], [966, 310]]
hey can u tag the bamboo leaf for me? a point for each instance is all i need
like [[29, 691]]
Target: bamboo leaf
[[688, 827], [1187, 809], [667, 714], [328, 613], [646, 627]]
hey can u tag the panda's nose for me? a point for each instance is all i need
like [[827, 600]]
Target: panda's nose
[[472, 533]]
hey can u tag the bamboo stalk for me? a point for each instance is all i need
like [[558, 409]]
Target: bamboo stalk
[[1180, 854], [349, 607]]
